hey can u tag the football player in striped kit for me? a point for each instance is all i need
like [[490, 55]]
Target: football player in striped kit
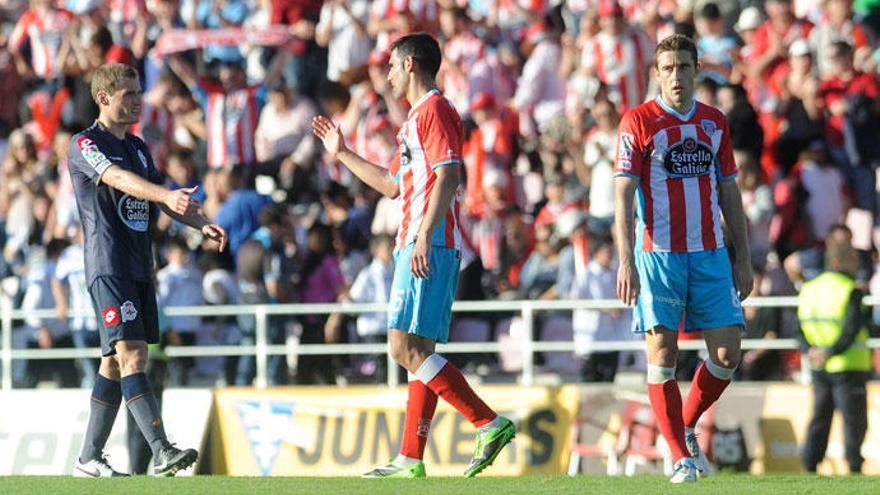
[[674, 155]]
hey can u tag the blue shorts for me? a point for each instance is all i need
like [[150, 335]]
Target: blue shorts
[[423, 306], [695, 286]]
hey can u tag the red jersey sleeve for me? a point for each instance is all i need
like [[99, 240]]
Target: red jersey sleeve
[[630, 149], [441, 134], [19, 33], [727, 168]]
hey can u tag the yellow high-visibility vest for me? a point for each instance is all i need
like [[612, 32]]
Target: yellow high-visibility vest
[[822, 307]]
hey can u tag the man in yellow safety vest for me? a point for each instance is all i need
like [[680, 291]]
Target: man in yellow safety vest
[[833, 323]]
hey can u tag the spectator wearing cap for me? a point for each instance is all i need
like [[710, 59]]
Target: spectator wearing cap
[[540, 93], [747, 23], [716, 48], [232, 107], [462, 49], [342, 29], [620, 55], [489, 146], [838, 25]]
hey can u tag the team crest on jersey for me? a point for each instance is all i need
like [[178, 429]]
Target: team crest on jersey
[[129, 312], [405, 154], [143, 159], [689, 158], [625, 146], [92, 154], [709, 126], [134, 213]]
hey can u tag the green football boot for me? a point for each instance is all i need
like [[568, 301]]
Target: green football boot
[[490, 441]]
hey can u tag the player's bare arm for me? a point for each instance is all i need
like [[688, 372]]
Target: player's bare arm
[[730, 202], [624, 226], [373, 175], [179, 201], [199, 222], [448, 178]]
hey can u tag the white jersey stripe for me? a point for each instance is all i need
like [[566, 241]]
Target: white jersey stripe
[[660, 194]]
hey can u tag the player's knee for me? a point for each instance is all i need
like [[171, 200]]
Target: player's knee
[[664, 357], [132, 359], [727, 357]]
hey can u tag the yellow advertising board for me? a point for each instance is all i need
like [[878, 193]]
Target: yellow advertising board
[[330, 431]]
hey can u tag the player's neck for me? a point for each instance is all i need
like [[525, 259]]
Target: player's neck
[[418, 89], [118, 130]]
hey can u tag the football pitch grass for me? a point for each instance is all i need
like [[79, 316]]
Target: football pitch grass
[[530, 485]]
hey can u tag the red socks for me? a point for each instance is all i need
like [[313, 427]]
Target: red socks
[[666, 402], [446, 381], [420, 406], [705, 390]]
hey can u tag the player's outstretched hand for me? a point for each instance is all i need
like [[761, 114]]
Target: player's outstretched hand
[[215, 233], [329, 133], [628, 284], [420, 264], [180, 201]]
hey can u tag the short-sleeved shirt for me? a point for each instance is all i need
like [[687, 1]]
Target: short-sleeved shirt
[[115, 224], [679, 161], [431, 137]]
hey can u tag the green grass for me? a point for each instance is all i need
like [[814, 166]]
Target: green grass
[[530, 485]]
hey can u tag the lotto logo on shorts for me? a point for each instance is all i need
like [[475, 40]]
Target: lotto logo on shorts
[[129, 312], [111, 316]]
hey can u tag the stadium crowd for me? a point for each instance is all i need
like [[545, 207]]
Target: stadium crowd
[[541, 85]]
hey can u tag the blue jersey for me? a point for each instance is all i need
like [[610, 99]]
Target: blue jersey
[[115, 224]]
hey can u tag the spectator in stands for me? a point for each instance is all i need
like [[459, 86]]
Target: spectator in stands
[[283, 138], [231, 107], [600, 151], [593, 325], [239, 214], [716, 48], [373, 284], [537, 279], [540, 94], [838, 25], [620, 55], [71, 293], [42, 26], [342, 29], [851, 101], [180, 284], [758, 205], [321, 281], [214, 14]]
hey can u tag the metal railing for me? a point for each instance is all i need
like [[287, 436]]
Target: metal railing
[[262, 349]]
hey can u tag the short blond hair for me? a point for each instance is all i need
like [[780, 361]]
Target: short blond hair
[[108, 77]]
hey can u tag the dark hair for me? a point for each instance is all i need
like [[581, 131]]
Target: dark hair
[[272, 215], [250, 259], [423, 48], [178, 243], [675, 43], [842, 47]]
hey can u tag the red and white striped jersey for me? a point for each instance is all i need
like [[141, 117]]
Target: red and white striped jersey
[[156, 128], [679, 161], [623, 63], [44, 30], [232, 122], [431, 137]]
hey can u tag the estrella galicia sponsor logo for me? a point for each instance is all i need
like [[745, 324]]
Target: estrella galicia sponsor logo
[[92, 154], [134, 213], [689, 158], [265, 425]]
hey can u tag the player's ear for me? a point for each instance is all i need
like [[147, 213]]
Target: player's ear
[[102, 98], [408, 63]]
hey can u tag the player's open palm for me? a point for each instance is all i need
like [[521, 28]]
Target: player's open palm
[[329, 133], [628, 284]]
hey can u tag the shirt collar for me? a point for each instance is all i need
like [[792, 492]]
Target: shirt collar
[[683, 117]]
